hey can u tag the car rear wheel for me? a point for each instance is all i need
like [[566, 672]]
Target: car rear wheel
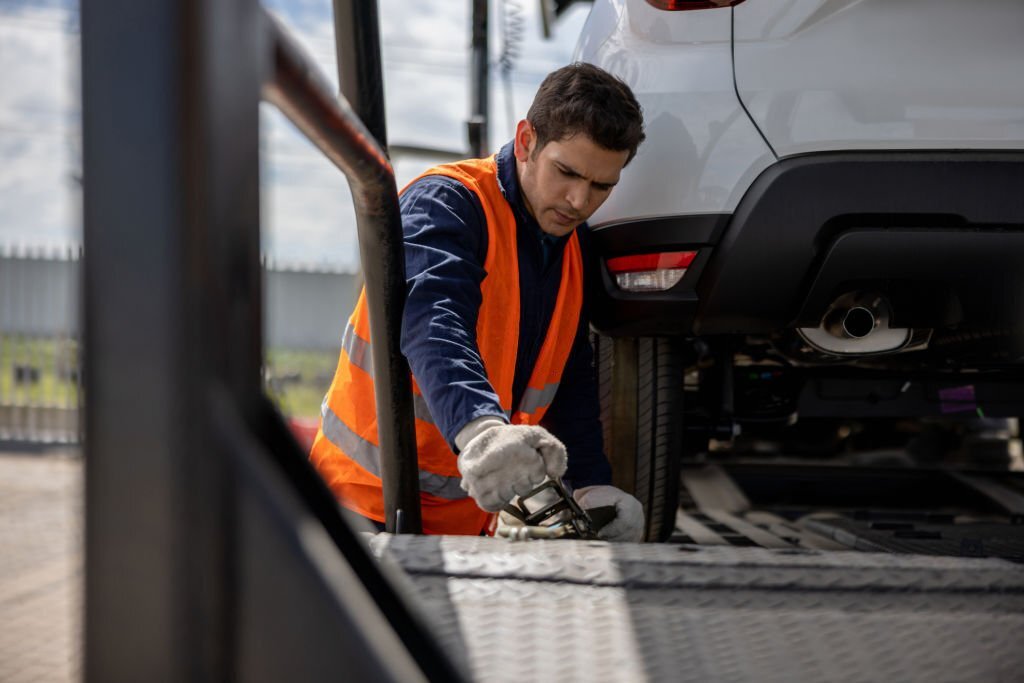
[[640, 382]]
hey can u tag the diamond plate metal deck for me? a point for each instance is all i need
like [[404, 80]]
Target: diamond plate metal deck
[[592, 611]]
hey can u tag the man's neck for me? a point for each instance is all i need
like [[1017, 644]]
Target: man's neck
[[522, 195]]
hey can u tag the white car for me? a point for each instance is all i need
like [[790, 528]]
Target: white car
[[826, 221]]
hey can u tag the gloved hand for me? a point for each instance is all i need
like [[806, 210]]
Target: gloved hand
[[628, 524], [502, 461]]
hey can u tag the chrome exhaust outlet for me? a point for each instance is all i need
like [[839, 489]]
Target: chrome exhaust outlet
[[857, 324]]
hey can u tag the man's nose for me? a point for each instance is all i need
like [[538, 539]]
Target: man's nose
[[577, 196]]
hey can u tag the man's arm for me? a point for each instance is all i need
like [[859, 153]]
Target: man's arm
[[445, 247], [574, 417], [575, 414]]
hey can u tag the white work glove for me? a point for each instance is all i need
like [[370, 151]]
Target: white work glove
[[628, 524], [500, 461]]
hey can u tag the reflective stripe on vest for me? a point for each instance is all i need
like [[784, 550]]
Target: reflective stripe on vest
[[367, 455], [535, 399], [361, 355], [346, 449]]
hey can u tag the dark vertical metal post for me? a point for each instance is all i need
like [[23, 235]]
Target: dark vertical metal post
[[479, 81], [360, 74], [200, 549], [383, 260], [135, 555], [172, 303]]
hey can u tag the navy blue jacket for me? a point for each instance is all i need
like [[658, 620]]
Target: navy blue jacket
[[445, 247]]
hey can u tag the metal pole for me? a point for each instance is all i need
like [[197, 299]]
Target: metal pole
[[360, 77], [479, 94], [331, 125], [172, 300]]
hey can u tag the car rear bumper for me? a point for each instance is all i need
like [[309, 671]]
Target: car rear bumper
[[941, 233]]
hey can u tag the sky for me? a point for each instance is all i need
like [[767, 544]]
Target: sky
[[307, 218]]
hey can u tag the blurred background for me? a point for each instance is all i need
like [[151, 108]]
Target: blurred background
[[310, 258], [308, 226]]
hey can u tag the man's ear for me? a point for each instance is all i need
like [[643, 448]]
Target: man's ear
[[525, 139]]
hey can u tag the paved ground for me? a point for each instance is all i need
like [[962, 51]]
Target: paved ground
[[41, 520]]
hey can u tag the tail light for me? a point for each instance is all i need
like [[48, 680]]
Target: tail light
[[650, 272], [677, 5]]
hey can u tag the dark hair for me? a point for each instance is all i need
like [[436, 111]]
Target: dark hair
[[583, 98]]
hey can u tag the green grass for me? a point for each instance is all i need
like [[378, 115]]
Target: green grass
[[54, 359], [298, 380]]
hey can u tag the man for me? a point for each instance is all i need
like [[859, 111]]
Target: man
[[493, 325]]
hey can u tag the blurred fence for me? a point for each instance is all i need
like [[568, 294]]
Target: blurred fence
[[40, 330], [40, 375], [306, 308]]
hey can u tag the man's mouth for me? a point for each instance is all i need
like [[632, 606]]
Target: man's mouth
[[564, 219]]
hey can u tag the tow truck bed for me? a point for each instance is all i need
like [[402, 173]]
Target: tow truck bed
[[579, 610], [774, 573]]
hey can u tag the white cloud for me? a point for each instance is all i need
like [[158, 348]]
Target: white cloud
[[308, 216], [39, 150]]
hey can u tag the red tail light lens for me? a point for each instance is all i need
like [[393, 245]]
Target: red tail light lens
[[678, 5], [668, 259], [650, 272]]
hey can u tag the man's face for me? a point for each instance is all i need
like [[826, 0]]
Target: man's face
[[564, 182]]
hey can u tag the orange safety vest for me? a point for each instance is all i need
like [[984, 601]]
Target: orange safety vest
[[346, 449]]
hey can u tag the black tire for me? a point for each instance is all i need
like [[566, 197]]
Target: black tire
[[640, 383]]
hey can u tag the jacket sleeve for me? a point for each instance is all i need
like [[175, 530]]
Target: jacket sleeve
[[575, 414], [445, 247]]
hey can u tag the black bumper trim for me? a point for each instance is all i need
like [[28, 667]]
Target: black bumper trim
[[756, 267], [759, 275], [615, 312]]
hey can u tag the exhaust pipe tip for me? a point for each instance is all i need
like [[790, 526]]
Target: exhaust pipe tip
[[851, 322], [859, 322]]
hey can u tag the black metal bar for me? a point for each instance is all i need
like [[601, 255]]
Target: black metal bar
[[131, 554], [172, 303], [479, 93], [197, 553], [360, 76], [276, 441], [310, 615], [304, 96]]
